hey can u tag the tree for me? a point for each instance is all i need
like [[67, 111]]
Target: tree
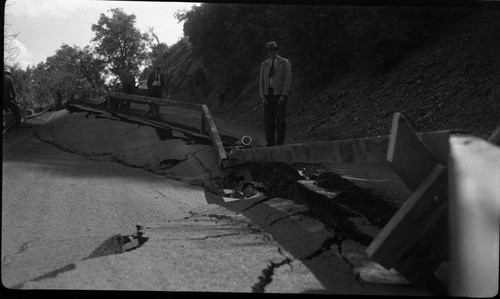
[[118, 43], [90, 67], [21, 82], [11, 48], [157, 50], [68, 68]]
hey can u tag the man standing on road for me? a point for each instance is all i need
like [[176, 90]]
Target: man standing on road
[[274, 86], [9, 95], [156, 83]]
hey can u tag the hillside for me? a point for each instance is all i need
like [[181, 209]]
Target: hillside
[[450, 80]]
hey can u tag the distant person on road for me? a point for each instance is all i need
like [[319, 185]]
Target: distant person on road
[[128, 85], [156, 84], [274, 86], [128, 81], [9, 95]]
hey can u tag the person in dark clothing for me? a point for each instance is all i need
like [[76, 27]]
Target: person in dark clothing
[[274, 86], [9, 95], [156, 84], [128, 85]]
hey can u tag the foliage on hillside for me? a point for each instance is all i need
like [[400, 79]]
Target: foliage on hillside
[[321, 41], [352, 66]]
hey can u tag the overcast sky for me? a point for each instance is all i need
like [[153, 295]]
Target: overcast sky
[[44, 25]]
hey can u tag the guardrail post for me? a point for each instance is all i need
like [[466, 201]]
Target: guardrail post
[[203, 126], [113, 103], [414, 241], [155, 109], [58, 101], [108, 103], [214, 135]]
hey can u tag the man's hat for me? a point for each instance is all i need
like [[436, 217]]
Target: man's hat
[[271, 45]]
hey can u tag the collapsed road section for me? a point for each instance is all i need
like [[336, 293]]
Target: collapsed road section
[[230, 235], [175, 153]]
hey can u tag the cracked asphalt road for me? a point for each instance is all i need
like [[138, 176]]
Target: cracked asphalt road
[[80, 192]]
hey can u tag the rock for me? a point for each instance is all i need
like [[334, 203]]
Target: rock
[[250, 191]]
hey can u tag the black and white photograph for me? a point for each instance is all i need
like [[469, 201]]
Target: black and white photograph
[[338, 148]]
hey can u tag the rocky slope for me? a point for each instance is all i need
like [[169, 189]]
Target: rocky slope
[[450, 83]]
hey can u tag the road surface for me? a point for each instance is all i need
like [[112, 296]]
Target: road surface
[[90, 201]]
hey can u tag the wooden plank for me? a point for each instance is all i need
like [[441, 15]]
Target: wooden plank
[[372, 150], [414, 241], [495, 136], [160, 102], [83, 91], [214, 135], [37, 114], [365, 150], [474, 209], [438, 144], [203, 126], [407, 153], [425, 256], [161, 124], [412, 221]]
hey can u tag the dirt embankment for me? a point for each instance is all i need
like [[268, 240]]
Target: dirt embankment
[[450, 83]]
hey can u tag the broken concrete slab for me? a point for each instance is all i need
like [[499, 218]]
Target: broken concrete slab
[[160, 151]]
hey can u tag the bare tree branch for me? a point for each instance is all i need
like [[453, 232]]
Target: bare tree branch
[[10, 49]]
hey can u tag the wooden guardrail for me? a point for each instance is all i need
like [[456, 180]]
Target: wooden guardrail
[[155, 101], [370, 150], [36, 114], [207, 124], [414, 241]]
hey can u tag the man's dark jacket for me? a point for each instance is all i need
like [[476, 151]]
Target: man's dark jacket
[[152, 78], [9, 91]]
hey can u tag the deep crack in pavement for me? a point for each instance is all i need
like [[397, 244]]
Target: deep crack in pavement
[[325, 246], [267, 275]]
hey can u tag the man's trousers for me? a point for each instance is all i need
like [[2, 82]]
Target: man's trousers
[[275, 120], [155, 92]]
